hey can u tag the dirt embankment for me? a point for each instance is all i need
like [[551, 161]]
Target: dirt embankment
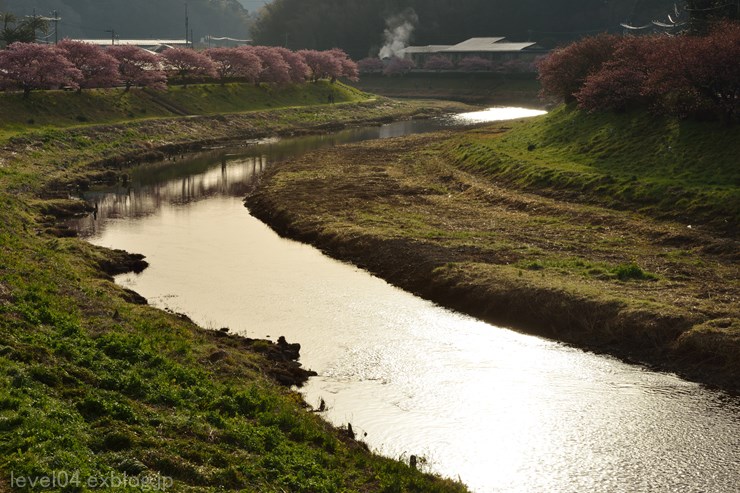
[[610, 281]]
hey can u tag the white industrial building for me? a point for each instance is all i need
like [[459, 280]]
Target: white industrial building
[[493, 49]]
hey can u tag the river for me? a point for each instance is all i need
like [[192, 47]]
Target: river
[[502, 411]]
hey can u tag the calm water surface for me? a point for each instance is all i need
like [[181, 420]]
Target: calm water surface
[[504, 412]]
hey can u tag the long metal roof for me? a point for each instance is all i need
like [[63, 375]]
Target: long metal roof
[[472, 45], [476, 44], [487, 45]]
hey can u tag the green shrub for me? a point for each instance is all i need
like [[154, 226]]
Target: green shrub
[[632, 271]]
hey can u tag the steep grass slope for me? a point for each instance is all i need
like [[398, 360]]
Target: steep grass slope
[[55, 109], [684, 170]]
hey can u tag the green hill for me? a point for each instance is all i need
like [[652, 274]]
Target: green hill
[[679, 169]]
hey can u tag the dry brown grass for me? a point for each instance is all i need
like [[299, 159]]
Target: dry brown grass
[[602, 278]]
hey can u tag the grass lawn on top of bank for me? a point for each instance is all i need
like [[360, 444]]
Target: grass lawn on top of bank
[[679, 169], [60, 109]]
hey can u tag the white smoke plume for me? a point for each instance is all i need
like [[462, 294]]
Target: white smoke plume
[[399, 29]]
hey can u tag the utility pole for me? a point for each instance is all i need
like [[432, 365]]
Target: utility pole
[[55, 19], [56, 27], [187, 25], [112, 35]]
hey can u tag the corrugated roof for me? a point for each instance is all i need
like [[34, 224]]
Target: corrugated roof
[[491, 48], [486, 45], [475, 44]]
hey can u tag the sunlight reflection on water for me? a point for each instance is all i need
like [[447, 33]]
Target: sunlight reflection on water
[[505, 411], [497, 114]]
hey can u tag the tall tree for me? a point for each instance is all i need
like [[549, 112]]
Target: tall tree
[[98, 68], [33, 24], [703, 14], [235, 62], [189, 63], [274, 67], [7, 35], [23, 30], [137, 67], [30, 66]]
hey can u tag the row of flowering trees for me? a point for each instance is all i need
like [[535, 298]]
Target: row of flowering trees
[[79, 65], [696, 76]]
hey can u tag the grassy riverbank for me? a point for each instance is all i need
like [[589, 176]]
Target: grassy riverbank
[[515, 224], [45, 110], [665, 168], [95, 384]]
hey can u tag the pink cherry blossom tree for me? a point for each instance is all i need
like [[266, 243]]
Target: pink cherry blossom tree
[[697, 75], [370, 65], [298, 69], [30, 66], [187, 63], [321, 64], [98, 68], [275, 69], [474, 64], [564, 71], [516, 67], [348, 67], [439, 62], [715, 70], [398, 66], [235, 62], [138, 67], [259, 68], [621, 81]]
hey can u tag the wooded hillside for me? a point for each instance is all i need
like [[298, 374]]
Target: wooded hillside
[[357, 26], [139, 18]]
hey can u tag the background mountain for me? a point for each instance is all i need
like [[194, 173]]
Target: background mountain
[[358, 25], [140, 18]]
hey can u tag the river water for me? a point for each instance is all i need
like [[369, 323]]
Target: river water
[[502, 411]]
